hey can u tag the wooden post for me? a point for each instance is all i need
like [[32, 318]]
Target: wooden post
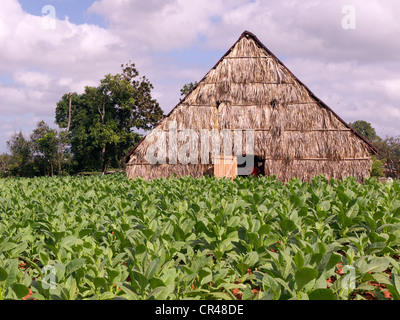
[[66, 133], [225, 166]]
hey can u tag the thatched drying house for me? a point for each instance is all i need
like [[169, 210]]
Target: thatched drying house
[[252, 99]]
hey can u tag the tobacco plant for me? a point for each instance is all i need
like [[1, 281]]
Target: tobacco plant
[[108, 237]]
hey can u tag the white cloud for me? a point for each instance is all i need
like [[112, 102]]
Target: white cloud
[[45, 63], [33, 79], [68, 48]]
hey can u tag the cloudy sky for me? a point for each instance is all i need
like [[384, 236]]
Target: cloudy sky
[[345, 51]]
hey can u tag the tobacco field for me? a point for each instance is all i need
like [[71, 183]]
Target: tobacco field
[[107, 237]]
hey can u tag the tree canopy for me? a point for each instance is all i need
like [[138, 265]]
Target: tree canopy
[[387, 163], [187, 88], [105, 120], [365, 129]]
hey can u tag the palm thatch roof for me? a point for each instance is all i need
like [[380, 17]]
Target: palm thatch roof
[[249, 88]]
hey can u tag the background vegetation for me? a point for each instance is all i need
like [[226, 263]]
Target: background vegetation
[[98, 128]]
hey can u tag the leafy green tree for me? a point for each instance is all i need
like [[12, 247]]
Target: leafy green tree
[[389, 149], [387, 162], [365, 129], [5, 163], [21, 155], [378, 167], [187, 88], [45, 142], [105, 120]]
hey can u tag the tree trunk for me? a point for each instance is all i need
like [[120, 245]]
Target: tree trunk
[[103, 151], [51, 168], [103, 156], [66, 133]]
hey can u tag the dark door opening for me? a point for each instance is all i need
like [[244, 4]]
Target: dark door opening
[[251, 165]]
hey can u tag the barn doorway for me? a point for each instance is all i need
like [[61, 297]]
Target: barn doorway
[[225, 166], [251, 165]]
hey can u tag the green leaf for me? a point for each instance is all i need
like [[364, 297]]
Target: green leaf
[[74, 265], [107, 296], [247, 294], [156, 282], [353, 211], [99, 282], [12, 272], [140, 248], [168, 276], [3, 274], [160, 293], [220, 295], [129, 290], [141, 280], [376, 264], [394, 288], [251, 258], [304, 275], [20, 290], [152, 268], [242, 268], [322, 294], [324, 205], [269, 285], [287, 226], [179, 234], [44, 257], [334, 259], [299, 259]]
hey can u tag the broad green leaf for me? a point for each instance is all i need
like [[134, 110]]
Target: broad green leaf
[[20, 290], [141, 280], [242, 268], [129, 290], [168, 276], [287, 226], [152, 268], [99, 282], [299, 259], [12, 271], [107, 296], [269, 285], [353, 211], [74, 265], [322, 294], [156, 282], [3, 274], [324, 205], [304, 275], [251, 258], [160, 293], [376, 264]]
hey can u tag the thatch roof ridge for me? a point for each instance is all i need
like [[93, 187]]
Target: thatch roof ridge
[[248, 34]]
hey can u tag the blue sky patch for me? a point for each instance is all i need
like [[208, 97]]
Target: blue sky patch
[[76, 10]]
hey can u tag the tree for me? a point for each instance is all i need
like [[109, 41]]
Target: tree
[[187, 88], [21, 154], [5, 164], [105, 119], [389, 149], [45, 143], [378, 167], [63, 135], [365, 129]]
